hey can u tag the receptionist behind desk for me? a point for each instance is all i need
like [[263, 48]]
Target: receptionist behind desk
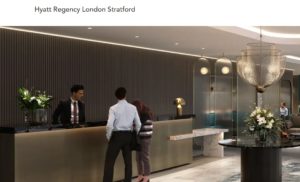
[[71, 111]]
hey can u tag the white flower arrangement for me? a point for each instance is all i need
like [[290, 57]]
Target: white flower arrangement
[[32, 100], [263, 123]]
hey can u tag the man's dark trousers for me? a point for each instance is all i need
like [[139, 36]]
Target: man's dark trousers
[[120, 140]]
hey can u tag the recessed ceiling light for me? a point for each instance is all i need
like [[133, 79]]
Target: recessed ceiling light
[[203, 48], [137, 36], [176, 43], [90, 28]]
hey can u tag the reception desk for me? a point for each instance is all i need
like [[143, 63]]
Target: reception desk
[[77, 155]]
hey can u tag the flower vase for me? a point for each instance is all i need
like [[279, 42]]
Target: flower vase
[[29, 116], [35, 117], [40, 116], [262, 137], [27, 119]]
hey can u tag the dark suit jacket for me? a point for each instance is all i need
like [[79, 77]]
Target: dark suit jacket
[[63, 111]]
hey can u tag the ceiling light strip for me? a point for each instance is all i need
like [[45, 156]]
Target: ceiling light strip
[[292, 57], [104, 42], [272, 34]]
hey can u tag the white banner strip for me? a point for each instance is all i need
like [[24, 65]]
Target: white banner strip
[[148, 12]]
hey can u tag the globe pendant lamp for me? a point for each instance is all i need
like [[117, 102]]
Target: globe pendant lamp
[[204, 69], [223, 66], [261, 64]]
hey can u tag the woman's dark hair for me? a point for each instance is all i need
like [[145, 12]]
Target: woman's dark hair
[[76, 88], [139, 105], [142, 108], [120, 93]]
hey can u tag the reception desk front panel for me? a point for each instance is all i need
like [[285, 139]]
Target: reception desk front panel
[[77, 155]]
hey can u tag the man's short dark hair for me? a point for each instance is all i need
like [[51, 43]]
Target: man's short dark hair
[[76, 88], [120, 93]]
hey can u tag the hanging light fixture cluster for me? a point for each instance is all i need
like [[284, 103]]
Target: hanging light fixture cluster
[[261, 64]]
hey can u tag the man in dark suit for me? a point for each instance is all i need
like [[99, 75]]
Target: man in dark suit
[[71, 111]]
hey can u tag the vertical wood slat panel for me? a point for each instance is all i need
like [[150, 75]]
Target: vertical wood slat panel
[[53, 64]]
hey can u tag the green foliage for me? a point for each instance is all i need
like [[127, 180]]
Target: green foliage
[[32, 100]]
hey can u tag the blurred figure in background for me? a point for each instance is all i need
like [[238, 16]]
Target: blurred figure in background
[[143, 157], [284, 112]]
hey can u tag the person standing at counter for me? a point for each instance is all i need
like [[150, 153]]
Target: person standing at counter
[[143, 157], [122, 116], [71, 111]]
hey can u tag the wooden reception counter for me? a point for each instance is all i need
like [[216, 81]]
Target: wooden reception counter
[[77, 155]]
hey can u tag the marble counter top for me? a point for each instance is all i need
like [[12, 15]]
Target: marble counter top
[[198, 133]]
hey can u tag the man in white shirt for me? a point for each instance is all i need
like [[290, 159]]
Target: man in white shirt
[[284, 112], [121, 119]]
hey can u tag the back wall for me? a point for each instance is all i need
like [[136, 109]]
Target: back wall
[[53, 64]]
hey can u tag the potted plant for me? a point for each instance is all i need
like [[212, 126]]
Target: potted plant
[[34, 104]]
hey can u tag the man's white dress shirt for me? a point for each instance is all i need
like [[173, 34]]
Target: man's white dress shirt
[[284, 111], [72, 111], [121, 117]]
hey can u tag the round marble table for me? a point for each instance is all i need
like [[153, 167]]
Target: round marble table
[[260, 162]]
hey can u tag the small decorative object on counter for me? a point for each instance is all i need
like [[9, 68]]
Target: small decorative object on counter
[[179, 102], [262, 123], [34, 104]]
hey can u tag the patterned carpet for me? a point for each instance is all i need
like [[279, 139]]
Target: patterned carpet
[[290, 173]]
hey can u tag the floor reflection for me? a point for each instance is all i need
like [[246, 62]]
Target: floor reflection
[[227, 169]]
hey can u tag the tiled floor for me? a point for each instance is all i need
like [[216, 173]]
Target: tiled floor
[[226, 169]]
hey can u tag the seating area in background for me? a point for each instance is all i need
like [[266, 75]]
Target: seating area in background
[[293, 123]]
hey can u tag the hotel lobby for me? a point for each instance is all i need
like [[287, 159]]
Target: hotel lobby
[[213, 91]]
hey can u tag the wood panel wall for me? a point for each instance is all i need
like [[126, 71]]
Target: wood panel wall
[[53, 64]]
